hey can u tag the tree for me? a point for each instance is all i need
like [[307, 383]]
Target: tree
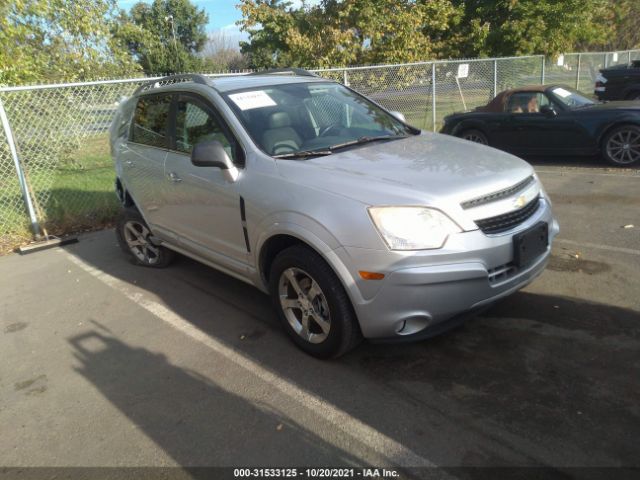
[[626, 33], [164, 37], [621, 17], [59, 40], [524, 27], [222, 53], [345, 32]]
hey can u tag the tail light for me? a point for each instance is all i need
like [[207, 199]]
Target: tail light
[[600, 83]]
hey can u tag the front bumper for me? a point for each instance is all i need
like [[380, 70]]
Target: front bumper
[[421, 292]]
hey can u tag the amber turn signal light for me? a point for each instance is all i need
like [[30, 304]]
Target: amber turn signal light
[[371, 275]]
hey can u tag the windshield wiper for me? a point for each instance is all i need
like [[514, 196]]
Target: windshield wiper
[[329, 150], [304, 154], [363, 140]]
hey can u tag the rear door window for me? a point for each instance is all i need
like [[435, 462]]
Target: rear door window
[[151, 121]]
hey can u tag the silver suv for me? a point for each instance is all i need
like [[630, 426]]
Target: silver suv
[[356, 223]]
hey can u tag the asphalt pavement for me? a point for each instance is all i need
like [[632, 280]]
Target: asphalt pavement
[[109, 364]]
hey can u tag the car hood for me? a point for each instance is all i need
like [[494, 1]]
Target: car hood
[[424, 169], [618, 105]]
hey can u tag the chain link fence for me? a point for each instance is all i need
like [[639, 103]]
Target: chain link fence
[[426, 92], [579, 70], [62, 149]]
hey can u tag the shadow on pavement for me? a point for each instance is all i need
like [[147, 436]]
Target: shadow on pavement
[[188, 416], [537, 380]]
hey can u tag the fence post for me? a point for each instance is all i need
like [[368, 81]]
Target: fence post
[[606, 60], [433, 95], [495, 77], [544, 59], [345, 78], [35, 226], [628, 57], [578, 71]]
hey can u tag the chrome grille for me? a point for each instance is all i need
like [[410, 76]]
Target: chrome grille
[[507, 221], [492, 197]]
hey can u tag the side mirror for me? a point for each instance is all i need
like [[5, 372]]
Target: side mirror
[[399, 116], [548, 111], [212, 154]]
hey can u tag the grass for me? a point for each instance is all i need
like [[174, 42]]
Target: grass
[[81, 196]]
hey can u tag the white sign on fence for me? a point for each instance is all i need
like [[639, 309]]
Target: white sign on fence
[[463, 70], [561, 61]]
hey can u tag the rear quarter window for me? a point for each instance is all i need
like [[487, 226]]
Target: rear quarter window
[[151, 121]]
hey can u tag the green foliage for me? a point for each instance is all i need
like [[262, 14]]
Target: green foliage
[[164, 37], [621, 18], [59, 40], [347, 32], [523, 27]]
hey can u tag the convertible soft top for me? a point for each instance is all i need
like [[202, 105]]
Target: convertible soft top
[[497, 105]]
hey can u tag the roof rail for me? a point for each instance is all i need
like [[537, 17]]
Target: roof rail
[[171, 79], [286, 71]]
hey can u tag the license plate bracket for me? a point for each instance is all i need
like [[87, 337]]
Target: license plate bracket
[[530, 244]]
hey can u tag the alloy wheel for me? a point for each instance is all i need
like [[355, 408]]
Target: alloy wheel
[[137, 237], [304, 305], [624, 146], [474, 137]]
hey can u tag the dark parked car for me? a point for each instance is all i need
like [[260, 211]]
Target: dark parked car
[[621, 82], [553, 120]]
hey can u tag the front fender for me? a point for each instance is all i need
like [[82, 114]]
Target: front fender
[[315, 236]]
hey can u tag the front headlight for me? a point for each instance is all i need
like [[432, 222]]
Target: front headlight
[[413, 228]]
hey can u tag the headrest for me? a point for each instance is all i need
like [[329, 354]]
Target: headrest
[[279, 120]]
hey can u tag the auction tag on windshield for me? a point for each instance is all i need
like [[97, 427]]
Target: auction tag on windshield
[[254, 99], [561, 92]]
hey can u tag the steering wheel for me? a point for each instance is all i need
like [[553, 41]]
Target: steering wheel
[[325, 130]]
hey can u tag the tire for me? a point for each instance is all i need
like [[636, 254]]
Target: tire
[[621, 146], [321, 295], [633, 95], [134, 238], [475, 136]]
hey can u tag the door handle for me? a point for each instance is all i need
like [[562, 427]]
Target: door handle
[[174, 177]]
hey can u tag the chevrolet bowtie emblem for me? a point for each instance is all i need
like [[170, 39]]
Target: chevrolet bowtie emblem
[[520, 201]]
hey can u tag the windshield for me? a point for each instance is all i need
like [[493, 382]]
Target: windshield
[[571, 98], [308, 117]]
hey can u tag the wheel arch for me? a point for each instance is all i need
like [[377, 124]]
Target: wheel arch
[[617, 124], [632, 90], [270, 249], [470, 125], [271, 243]]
